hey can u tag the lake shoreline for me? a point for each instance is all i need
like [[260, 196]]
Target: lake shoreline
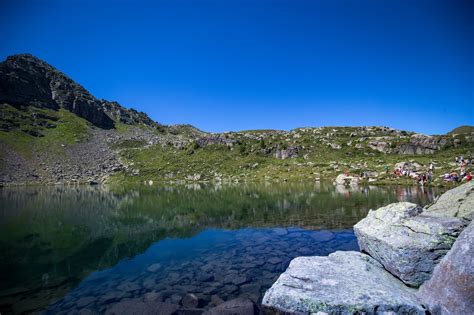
[[160, 182]]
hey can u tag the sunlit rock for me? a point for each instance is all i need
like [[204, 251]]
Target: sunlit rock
[[406, 241], [451, 288], [341, 283]]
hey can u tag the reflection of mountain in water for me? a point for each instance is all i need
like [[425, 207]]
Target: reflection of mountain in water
[[52, 237]]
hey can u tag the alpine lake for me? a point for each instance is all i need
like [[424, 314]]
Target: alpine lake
[[86, 249]]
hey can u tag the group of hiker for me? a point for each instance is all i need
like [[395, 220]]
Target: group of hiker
[[422, 178], [462, 173]]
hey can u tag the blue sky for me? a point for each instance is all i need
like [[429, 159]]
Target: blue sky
[[235, 65]]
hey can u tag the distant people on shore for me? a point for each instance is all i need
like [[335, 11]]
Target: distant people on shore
[[462, 172]]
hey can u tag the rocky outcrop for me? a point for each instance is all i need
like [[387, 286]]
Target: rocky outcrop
[[28, 81], [284, 154], [128, 116], [408, 242], [380, 146], [341, 283], [457, 202], [421, 144], [451, 288], [215, 139]]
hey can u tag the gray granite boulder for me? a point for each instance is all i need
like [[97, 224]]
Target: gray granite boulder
[[457, 202], [341, 283], [406, 241], [451, 287]]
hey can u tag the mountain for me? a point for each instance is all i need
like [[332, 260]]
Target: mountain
[[28, 81], [462, 130], [52, 130]]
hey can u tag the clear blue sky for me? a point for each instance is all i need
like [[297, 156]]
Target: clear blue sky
[[233, 65]]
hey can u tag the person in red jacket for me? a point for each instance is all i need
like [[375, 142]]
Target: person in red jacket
[[468, 177]]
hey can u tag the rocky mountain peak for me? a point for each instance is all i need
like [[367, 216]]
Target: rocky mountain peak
[[28, 81]]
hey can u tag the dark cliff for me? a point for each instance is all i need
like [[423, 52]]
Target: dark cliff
[[28, 81]]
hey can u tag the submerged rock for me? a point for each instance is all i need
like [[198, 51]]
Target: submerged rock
[[154, 268], [190, 300], [341, 283], [138, 307], [408, 242], [238, 306], [451, 288]]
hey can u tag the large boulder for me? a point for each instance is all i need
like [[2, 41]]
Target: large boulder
[[341, 283], [457, 202], [343, 179], [451, 287], [406, 241]]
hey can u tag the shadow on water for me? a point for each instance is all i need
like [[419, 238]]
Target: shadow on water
[[68, 248]]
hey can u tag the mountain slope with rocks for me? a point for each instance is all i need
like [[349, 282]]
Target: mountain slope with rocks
[[52, 130]]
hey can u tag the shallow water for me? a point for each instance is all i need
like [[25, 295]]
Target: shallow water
[[66, 249]]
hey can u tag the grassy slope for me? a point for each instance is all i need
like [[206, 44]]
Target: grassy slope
[[244, 161], [54, 129]]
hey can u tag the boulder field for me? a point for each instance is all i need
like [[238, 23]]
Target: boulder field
[[404, 247]]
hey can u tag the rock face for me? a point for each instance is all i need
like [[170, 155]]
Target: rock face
[[321, 284], [408, 242], [422, 144], [451, 288], [457, 202], [128, 116], [28, 81]]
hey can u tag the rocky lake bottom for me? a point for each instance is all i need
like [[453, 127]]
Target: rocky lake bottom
[[92, 249]]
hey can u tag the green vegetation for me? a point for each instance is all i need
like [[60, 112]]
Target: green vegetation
[[184, 153], [462, 130], [32, 129], [251, 157]]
